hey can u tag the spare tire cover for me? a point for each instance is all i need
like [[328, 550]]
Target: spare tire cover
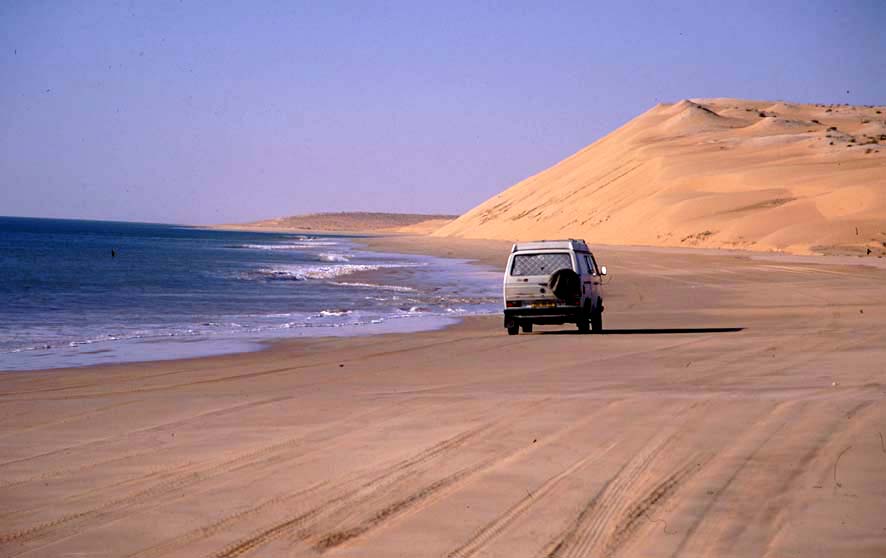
[[565, 284]]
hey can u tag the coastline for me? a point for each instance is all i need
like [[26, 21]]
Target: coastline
[[348, 290], [737, 399], [486, 255]]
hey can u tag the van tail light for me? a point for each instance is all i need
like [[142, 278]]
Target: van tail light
[[514, 304]]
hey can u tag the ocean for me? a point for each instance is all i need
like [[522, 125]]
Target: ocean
[[75, 293]]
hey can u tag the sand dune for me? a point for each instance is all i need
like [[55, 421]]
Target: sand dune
[[724, 173], [354, 221]]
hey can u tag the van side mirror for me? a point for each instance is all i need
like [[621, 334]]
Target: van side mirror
[[602, 270]]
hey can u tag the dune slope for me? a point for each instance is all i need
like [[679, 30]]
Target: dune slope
[[725, 173]]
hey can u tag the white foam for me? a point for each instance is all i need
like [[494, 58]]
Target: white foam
[[289, 246], [333, 313], [302, 273], [305, 272], [396, 288]]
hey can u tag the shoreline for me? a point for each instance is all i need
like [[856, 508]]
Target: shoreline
[[187, 348], [487, 255], [725, 395]]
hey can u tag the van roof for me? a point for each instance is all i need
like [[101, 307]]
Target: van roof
[[570, 244]]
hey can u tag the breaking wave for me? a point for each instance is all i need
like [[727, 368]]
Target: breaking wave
[[287, 246], [298, 272], [332, 313], [395, 288]]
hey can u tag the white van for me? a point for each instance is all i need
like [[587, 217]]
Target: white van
[[553, 282]]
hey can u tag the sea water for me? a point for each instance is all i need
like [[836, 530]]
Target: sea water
[[74, 293]]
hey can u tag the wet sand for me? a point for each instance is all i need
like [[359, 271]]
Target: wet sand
[[733, 407]]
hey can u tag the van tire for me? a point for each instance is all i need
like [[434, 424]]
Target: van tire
[[527, 327], [513, 329], [597, 322], [583, 325]]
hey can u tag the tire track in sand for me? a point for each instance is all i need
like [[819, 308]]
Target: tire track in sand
[[757, 435], [586, 531], [61, 473], [70, 418], [388, 477], [159, 427], [170, 545], [437, 489], [781, 480], [237, 549], [191, 474], [642, 508], [496, 527], [391, 474]]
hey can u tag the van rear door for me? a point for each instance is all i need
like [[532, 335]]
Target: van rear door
[[528, 275]]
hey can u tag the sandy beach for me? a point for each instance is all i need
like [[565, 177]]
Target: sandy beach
[[735, 406], [254, 300]]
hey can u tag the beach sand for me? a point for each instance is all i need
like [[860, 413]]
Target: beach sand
[[735, 406]]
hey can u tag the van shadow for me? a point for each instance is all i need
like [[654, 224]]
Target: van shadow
[[650, 331]]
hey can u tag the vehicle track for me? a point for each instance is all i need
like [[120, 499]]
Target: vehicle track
[[823, 437], [791, 410], [166, 387], [60, 473], [155, 428], [345, 503], [336, 538], [206, 531], [439, 488], [44, 390], [642, 509], [109, 510], [70, 418], [153, 450], [392, 474], [586, 531], [196, 474], [735, 366], [28, 533], [492, 530]]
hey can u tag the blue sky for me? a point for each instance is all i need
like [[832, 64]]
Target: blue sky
[[207, 112]]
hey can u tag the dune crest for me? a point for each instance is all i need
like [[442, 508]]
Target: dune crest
[[716, 173]]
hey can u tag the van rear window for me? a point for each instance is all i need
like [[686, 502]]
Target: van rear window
[[540, 264]]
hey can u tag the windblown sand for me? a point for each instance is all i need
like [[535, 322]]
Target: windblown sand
[[734, 407], [725, 173]]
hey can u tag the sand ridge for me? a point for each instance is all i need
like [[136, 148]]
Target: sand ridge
[[716, 173]]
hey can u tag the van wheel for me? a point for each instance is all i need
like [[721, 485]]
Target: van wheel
[[513, 329], [583, 325], [527, 327], [597, 322]]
